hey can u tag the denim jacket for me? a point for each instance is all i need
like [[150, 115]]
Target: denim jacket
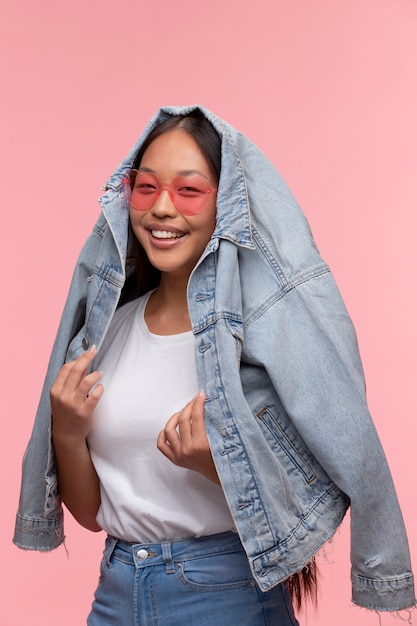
[[286, 413]]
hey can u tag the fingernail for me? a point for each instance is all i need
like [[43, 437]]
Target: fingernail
[[92, 349]]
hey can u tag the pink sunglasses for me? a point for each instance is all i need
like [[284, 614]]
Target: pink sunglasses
[[189, 194]]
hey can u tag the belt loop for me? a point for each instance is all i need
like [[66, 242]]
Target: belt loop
[[109, 549], [167, 556]]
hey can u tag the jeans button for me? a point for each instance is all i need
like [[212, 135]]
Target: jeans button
[[85, 343], [142, 554]]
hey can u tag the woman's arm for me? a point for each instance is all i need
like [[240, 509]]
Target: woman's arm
[[72, 413]]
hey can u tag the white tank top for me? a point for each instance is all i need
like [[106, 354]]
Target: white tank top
[[147, 378]]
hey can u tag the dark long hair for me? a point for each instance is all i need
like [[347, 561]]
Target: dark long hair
[[208, 140], [302, 585]]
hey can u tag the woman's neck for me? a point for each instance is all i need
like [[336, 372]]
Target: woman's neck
[[166, 312]]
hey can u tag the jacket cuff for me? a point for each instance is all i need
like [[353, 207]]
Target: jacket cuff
[[393, 594], [38, 534]]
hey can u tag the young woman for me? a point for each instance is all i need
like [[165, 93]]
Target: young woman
[[211, 413]]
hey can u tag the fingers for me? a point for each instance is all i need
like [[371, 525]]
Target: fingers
[[71, 374], [197, 414], [165, 447], [187, 423], [185, 433], [168, 441], [74, 396], [184, 440]]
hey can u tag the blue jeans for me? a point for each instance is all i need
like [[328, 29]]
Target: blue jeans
[[204, 582]]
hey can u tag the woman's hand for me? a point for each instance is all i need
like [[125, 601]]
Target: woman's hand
[[72, 403], [184, 440]]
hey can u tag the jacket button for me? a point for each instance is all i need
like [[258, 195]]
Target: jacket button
[[85, 343]]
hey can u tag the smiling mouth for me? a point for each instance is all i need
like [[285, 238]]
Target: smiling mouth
[[166, 234]]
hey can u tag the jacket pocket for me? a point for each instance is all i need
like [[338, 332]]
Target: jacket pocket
[[287, 445]]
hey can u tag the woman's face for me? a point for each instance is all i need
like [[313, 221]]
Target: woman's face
[[173, 241]]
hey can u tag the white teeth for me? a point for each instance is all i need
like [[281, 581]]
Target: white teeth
[[165, 234]]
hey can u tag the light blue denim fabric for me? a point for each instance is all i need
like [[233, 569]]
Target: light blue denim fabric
[[286, 412], [205, 581]]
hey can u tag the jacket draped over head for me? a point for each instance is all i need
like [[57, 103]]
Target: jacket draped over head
[[286, 414]]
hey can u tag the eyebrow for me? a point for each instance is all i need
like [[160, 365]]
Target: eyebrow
[[181, 173]]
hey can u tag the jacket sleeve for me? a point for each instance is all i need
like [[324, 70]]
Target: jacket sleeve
[[39, 520], [320, 382]]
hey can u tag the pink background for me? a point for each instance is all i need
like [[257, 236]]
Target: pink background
[[326, 88]]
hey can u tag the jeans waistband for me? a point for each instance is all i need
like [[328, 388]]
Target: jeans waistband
[[169, 552]]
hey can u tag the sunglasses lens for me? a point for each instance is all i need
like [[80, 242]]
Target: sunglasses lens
[[190, 194], [144, 189]]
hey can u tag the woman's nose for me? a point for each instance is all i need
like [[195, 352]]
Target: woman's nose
[[164, 204]]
